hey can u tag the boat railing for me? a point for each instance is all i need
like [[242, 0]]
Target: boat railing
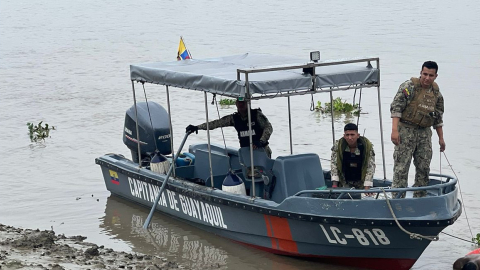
[[444, 187]]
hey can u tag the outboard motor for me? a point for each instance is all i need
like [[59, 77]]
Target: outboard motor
[[158, 131]]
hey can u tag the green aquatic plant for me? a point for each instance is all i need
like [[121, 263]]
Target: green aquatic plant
[[339, 105], [227, 101], [476, 240], [39, 132]]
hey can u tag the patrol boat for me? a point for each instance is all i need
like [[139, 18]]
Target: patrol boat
[[284, 211]]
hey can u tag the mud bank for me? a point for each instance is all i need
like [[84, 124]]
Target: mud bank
[[35, 249]]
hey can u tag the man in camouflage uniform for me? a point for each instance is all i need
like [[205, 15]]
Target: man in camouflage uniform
[[261, 127], [353, 160], [417, 106]]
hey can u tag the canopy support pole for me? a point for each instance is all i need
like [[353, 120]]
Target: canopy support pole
[[252, 167], [290, 126], [331, 112], [136, 126], [171, 127], [208, 138], [381, 122]]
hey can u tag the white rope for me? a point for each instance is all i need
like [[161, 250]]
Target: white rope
[[461, 196], [412, 235]]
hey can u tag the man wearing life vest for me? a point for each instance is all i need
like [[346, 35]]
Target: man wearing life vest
[[261, 127], [417, 106], [353, 160]]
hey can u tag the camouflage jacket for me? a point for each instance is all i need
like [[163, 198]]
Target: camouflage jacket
[[405, 94], [227, 121], [370, 167]]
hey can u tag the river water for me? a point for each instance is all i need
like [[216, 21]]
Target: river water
[[67, 63]]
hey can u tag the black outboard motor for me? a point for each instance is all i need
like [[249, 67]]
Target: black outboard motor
[[160, 132]]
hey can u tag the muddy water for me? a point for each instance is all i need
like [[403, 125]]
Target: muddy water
[[67, 63]]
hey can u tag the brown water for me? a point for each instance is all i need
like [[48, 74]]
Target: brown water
[[67, 63]]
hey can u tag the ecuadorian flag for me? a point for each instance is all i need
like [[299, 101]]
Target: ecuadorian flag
[[114, 177], [182, 51]]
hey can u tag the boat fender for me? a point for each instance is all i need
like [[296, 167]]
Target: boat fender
[[233, 184], [159, 164], [185, 159]]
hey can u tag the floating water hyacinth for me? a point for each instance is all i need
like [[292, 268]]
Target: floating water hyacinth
[[39, 132], [227, 101], [339, 105], [476, 240]]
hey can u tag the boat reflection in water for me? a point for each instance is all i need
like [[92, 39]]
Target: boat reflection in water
[[166, 237], [190, 247]]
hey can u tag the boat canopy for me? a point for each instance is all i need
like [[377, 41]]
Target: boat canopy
[[234, 76]]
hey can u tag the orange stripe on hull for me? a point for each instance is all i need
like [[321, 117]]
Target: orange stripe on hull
[[279, 232], [269, 232]]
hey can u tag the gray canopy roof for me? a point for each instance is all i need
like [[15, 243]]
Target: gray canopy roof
[[219, 75]]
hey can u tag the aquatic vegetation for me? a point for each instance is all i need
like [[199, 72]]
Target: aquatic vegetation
[[476, 240], [39, 132], [339, 105], [227, 101]]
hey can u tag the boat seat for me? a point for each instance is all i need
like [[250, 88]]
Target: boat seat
[[220, 164], [295, 173], [262, 162], [232, 153]]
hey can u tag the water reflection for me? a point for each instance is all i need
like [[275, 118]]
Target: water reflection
[[189, 246], [338, 117], [167, 238]]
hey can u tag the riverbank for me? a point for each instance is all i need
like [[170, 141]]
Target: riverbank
[[35, 249]]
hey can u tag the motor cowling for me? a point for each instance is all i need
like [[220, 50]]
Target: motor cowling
[[154, 135]]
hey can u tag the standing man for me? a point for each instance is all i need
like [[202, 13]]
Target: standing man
[[261, 127], [353, 160], [417, 106]]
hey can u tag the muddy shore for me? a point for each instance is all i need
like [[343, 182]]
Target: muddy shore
[[35, 249]]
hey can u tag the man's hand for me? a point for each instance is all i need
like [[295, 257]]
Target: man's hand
[[442, 145], [395, 137], [191, 128], [368, 194]]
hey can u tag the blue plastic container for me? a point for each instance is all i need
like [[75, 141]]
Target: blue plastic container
[[185, 159]]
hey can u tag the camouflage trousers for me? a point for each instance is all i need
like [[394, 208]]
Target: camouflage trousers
[[417, 143]]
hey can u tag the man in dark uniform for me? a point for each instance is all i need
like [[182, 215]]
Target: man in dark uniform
[[261, 127], [353, 160]]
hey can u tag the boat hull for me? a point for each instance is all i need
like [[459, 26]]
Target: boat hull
[[311, 228]]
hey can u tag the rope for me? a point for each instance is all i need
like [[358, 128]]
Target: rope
[[312, 105], [461, 195], [221, 128], [440, 166], [359, 107], [412, 235], [458, 237], [150, 116]]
